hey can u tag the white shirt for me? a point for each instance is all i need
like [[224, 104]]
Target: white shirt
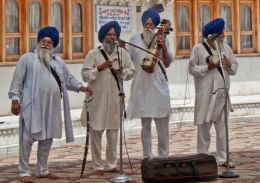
[[150, 95], [207, 81]]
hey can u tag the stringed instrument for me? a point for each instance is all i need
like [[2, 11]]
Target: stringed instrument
[[150, 62]]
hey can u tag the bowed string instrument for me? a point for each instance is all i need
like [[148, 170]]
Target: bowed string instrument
[[154, 53]]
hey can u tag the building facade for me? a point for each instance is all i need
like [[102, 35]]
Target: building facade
[[78, 22], [242, 23]]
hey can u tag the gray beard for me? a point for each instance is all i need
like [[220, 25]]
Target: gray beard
[[109, 47], [148, 36], [45, 56]]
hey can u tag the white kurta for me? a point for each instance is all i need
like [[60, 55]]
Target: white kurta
[[207, 81], [49, 103], [40, 99], [150, 95], [105, 107]]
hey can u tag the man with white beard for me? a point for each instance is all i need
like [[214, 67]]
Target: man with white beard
[[150, 97], [40, 81], [100, 71]]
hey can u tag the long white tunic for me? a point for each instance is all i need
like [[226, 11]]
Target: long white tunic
[[105, 107], [37, 90], [207, 81], [49, 103], [150, 95]]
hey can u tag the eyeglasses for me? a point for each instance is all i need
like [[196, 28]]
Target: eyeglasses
[[45, 42]]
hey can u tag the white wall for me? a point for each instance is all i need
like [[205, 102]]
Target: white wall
[[246, 82]]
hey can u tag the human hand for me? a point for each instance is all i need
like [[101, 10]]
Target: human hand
[[86, 90], [15, 108], [212, 66], [104, 66], [212, 61], [226, 63], [161, 41]]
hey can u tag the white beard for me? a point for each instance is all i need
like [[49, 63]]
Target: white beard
[[148, 36], [109, 47], [45, 56]]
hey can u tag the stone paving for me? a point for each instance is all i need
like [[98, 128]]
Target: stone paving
[[66, 161]]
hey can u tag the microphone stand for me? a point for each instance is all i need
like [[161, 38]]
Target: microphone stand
[[121, 178], [228, 173]]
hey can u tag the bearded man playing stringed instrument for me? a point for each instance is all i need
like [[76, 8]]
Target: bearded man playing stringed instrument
[[150, 97]]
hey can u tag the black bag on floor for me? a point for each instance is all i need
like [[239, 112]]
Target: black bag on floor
[[199, 167]]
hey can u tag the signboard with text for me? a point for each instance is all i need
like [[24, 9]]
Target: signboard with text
[[121, 14]]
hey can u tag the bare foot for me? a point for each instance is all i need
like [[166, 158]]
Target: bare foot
[[113, 170], [27, 179], [231, 165], [50, 176], [98, 172]]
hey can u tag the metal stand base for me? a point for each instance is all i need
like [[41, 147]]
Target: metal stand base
[[228, 174], [120, 178]]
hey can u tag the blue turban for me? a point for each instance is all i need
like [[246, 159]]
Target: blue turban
[[50, 32], [106, 28], [150, 13], [214, 27]]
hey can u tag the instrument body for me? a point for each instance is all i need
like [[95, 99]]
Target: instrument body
[[150, 62], [213, 59], [115, 64]]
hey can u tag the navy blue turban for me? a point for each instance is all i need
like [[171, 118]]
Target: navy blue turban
[[50, 32], [150, 13], [106, 28], [214, 27]]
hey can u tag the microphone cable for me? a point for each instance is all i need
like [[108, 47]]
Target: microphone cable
[[187, 91]]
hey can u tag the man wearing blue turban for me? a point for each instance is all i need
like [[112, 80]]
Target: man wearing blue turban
[[40, 80], [101, 71], [210, 96], [150, 97]]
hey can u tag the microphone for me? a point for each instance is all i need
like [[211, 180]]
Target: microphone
[[212, 36], [114, 43]]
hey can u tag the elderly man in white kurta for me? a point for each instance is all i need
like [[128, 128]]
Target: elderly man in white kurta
[[101, 73], [210, 96], [150, 97], [36, 94]]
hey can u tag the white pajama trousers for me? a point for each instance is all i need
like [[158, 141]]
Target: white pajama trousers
[[111, 148], [162, 127], [203, 139], [25, 147]]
